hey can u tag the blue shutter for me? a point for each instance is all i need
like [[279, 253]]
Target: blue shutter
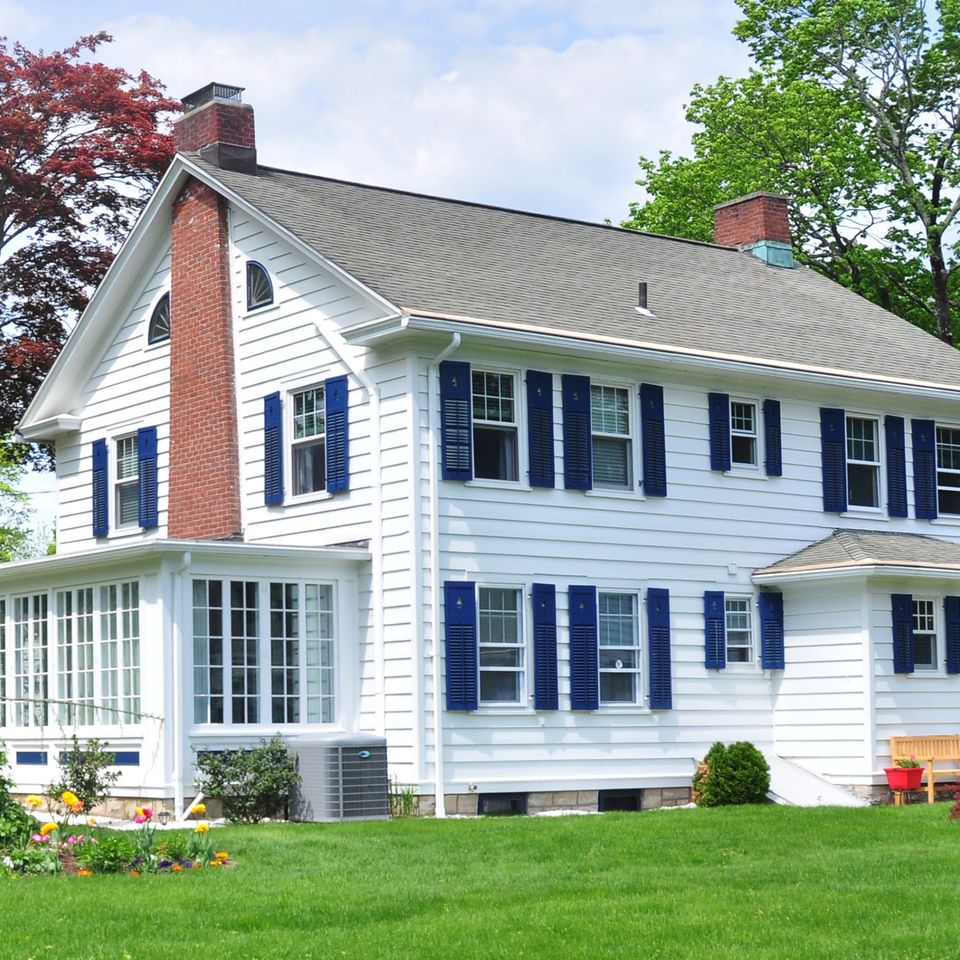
[[901, 605], [658, 648], [719, 404], [654, 447], [545, 647], [924, 469], [147, 506], [540, 428], [460, 644], [101, 522], [336, 395], [456, 424], [584, 666], [896, 467], [833, 454], [272, 450], [772, 444], [771, 631], [951, 614], [714, 630], [577, 447]]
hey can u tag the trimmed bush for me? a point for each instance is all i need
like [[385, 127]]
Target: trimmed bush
[[731, 775]]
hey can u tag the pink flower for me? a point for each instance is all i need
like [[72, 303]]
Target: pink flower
[[148, 812], [71, 839], [140, 818]]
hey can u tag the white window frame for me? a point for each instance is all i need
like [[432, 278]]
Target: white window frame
[[627, 438], [520, 671], [933, 632], [125, 483], [751, 647], [517, 425], [876, 464], [756, 435], [292, 443], [32, 661], [637, 671], [945, 470]]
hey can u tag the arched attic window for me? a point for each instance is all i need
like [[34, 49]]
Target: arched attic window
[[259, 287], [159, 328]]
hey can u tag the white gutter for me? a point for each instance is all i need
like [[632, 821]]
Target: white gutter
[[178, 725], [433, 386], [871, 569]]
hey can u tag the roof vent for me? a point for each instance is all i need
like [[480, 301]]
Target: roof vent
[[641, 306], [212, 91]]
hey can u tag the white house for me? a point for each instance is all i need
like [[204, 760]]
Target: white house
[[551, 506]]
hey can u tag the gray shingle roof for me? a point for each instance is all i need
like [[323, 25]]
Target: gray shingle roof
[[849, 549], [435, 256]]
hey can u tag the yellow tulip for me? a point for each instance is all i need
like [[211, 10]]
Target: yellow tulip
[[202, 828], [70, 798], [33, 800], [199, 809], [47, 828]]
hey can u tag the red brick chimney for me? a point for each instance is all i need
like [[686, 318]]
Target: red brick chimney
[[757, 223], [204, 488]]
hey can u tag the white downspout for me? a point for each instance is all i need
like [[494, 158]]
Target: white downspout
[[376, 527], [176, 638], [433, 385]]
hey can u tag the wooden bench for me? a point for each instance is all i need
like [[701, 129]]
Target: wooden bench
[[931, 749]]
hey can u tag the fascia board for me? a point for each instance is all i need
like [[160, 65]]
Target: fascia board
[[409, 319], [51, 427], [870, 569], [85, 343]]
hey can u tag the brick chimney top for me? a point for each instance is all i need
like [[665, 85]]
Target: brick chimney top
[[218, 126], [758, 224]]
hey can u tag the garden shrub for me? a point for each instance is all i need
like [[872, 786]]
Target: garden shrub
[[252, 783], [83, 770], [112, 853], [16, 825], [731, 775]]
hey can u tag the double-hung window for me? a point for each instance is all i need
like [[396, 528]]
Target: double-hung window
[[501, 646], [739, 629], [863, 462], [126, 482], [309, 443], [618, 638], [743, 433], [924, 634], [494, 400], [948, 470], [610, 437]]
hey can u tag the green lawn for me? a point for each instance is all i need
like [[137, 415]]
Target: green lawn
[[746, 882]]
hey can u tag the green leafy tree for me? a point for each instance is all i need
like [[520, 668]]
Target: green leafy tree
[[14, 506], [853, 113]]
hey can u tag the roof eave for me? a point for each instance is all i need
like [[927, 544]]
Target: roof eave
[[857, 569]]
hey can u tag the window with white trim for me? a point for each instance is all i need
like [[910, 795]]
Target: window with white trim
[[863, 462], [924, 634], [500, 645], [948, 469], [120, 652], [743, 433], [309, 438], [126, 482], [259, 287], [610, 437], [158, 328], [618, 640], [31, 660], [738, 614], [495, 431]]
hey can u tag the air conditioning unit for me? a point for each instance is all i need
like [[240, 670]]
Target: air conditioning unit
[[342, 777]]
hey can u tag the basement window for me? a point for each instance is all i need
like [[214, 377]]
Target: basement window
[[609, 801], [259, 287], [502, 804]]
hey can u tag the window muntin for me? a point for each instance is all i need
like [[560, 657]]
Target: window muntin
[[207, 651], [126, 482], [120, 652], [924, 634], [494, 426], [259, 287], [948, 469], [743, 433], [31, 661], [500, 647], [308, 447], [159, 326], [863, 462], [610, 437], [618, 640], [738, 624], [244, 651]]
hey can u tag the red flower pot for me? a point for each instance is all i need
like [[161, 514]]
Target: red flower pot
[[904, 778]]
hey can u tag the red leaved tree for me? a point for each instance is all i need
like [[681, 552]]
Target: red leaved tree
[[81, 148]]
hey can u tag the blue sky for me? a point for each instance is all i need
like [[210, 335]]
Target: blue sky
[[540, 105]]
